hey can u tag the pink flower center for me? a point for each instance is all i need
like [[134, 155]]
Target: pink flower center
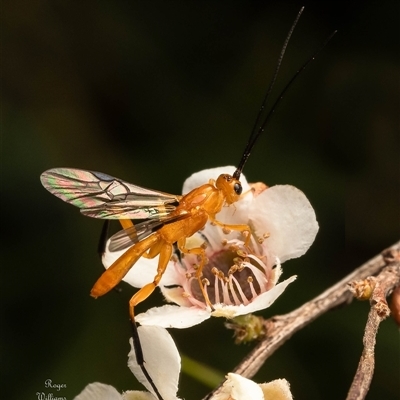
[[230, 277]]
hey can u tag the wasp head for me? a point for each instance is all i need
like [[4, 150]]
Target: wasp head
[[230, 186]]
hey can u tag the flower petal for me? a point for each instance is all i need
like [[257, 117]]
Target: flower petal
[[278, 389], [285, 213], [136, 395], [261, 302], [97, 390], [265, 299], [238, 388], [170, 316], [162, 361]]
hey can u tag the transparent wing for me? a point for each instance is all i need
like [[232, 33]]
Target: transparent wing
[[125, 238], [100, 195]]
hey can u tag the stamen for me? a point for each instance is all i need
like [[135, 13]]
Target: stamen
[[226, 230], [259, 276], [224, 242], [227, 299], [243, 299], [253, 291], [205, 282], [216, 290], [232, 289]]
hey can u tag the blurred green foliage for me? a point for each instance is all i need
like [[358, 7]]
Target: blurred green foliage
[[152, 91]]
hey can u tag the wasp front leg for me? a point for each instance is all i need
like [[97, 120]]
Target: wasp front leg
[[244, 229]]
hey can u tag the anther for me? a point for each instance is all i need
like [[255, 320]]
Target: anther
[[237, 260], [233, 269], [241, 253], [205, 282]]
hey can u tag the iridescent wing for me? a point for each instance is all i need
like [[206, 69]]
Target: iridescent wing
[[100, 195]]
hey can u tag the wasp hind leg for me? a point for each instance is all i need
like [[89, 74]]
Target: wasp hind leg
[[199, 251], [164, 250]]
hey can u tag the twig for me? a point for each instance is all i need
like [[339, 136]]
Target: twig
[[381, 287], [281, 328]]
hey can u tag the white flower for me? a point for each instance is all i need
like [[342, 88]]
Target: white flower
[[238, 388], [162, 361], [237, 279]]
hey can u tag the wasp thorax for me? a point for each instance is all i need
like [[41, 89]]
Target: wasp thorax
[[231, 187]]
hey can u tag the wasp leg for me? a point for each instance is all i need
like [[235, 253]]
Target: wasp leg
[[165, 254], [244, 229], [154, 250], [113, 275], [199, 271]]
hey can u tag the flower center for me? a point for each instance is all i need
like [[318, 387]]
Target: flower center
[[231, 277]]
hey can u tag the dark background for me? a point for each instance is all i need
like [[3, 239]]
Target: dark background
[[152, 91]]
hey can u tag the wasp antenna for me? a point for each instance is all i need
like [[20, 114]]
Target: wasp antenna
[[266, 97], [257, 132], [278, 66]]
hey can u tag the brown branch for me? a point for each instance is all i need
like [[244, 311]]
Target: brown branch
[[281, 328], [381, 287]]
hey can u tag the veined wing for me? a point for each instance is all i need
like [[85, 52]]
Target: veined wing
[[100, 195], [125, 238]]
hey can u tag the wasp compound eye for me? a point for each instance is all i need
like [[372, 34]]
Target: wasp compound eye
[[238, 188]]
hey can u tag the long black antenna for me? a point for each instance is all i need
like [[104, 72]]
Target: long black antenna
[[256, 132]]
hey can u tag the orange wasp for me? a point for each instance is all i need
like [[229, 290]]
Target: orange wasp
[[166, 219]]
